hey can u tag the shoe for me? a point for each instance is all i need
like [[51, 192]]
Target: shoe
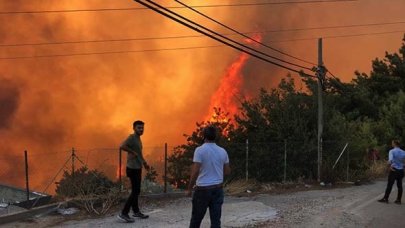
[[397, 201], [383, 200], [140, 215], [125, 218]]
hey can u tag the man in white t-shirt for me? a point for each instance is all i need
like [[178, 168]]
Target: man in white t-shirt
[[396, 159], [210, 164]]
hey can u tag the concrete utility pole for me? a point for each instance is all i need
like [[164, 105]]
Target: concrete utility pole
[[321, 77]]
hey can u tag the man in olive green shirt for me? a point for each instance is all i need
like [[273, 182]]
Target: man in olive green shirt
[[135, 161]]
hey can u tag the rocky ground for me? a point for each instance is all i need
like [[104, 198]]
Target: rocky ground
[[353, 206]]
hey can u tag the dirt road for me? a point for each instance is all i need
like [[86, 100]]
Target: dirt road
[[354, 206]]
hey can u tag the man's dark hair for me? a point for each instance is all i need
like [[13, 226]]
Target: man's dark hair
[[137, 122], [396, 142], [210, 133]]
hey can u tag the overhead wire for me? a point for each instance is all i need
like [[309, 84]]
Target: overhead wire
[[176, 48], [107, 52], [216, 34], [173, 7], [237, 32], [341, 36], [199, 36]]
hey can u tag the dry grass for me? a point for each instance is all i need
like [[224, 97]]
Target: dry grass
[[252, 187], [241, 186], [377, 169]]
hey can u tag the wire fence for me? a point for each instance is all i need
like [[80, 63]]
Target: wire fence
[[274, 161]]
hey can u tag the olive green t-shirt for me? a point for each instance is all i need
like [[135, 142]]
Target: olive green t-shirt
[[134, 142]]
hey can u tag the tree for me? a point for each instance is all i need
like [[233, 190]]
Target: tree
[[366, 113], [281, 115], [180, 161]]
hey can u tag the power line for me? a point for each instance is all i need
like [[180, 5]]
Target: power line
[[248, 37], [198, 36], [212, 36], [172, 7], [107, 52], [340, 36], [223, 37], [175, 49], [334, 27]]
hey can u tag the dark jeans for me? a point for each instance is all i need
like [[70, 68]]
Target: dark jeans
[[395, 175], [135, 176], [203, 199]]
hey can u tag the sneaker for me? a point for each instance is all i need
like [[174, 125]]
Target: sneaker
[[397, 201], [383, 200], [140, 215], [125, 218]]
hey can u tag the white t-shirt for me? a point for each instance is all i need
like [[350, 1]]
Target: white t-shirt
[[212, 159]]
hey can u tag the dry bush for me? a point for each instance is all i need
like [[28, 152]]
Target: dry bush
[[377, 169], [241, 186], [99, 204], [89, 189]]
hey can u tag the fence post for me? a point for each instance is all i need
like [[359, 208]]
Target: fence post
[[120, 168], [285, 160], [247, 159], [347, 166], [26, 175], [73, 161], [165, 171]]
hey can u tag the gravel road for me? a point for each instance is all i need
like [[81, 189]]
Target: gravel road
[[354, 206]]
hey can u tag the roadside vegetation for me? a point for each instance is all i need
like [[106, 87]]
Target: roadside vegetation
[[278, 128], [366, 113]]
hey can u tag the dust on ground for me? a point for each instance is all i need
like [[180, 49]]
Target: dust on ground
[[268, 206]]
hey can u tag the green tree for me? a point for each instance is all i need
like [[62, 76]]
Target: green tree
[[179, 162], [281, 115]]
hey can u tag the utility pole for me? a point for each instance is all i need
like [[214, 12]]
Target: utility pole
[[321, 77]]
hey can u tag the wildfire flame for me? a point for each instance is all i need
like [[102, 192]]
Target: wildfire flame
[[226, 96]]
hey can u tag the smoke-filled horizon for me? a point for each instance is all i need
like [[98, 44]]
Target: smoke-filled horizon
[[90, 101]]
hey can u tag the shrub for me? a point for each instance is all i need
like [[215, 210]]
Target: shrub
[[91, 189]]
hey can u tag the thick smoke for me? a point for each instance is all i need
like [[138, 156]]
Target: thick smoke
[[9, 101]]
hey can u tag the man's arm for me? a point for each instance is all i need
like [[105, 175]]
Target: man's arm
[[195, 170], [129, 150], [227, 169]]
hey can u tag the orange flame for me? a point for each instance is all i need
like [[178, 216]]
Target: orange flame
[[226, 96]]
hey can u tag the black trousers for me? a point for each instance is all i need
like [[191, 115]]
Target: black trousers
[[394, 175], [135, 176]]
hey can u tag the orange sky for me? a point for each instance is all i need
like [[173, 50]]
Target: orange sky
[[53, 104]]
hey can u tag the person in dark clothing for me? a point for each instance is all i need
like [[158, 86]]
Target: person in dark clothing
[[133, 146], [396, 158]]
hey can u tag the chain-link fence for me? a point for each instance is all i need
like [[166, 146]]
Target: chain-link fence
[[41, 172], [293, 160], [272, 161]]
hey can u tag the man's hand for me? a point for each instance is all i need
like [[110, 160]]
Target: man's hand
[[188, 192], [146, 165]]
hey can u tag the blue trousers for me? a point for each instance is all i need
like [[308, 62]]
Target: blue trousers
[[203, 199]]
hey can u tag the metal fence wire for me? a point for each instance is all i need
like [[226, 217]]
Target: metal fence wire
[[265, 162]]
